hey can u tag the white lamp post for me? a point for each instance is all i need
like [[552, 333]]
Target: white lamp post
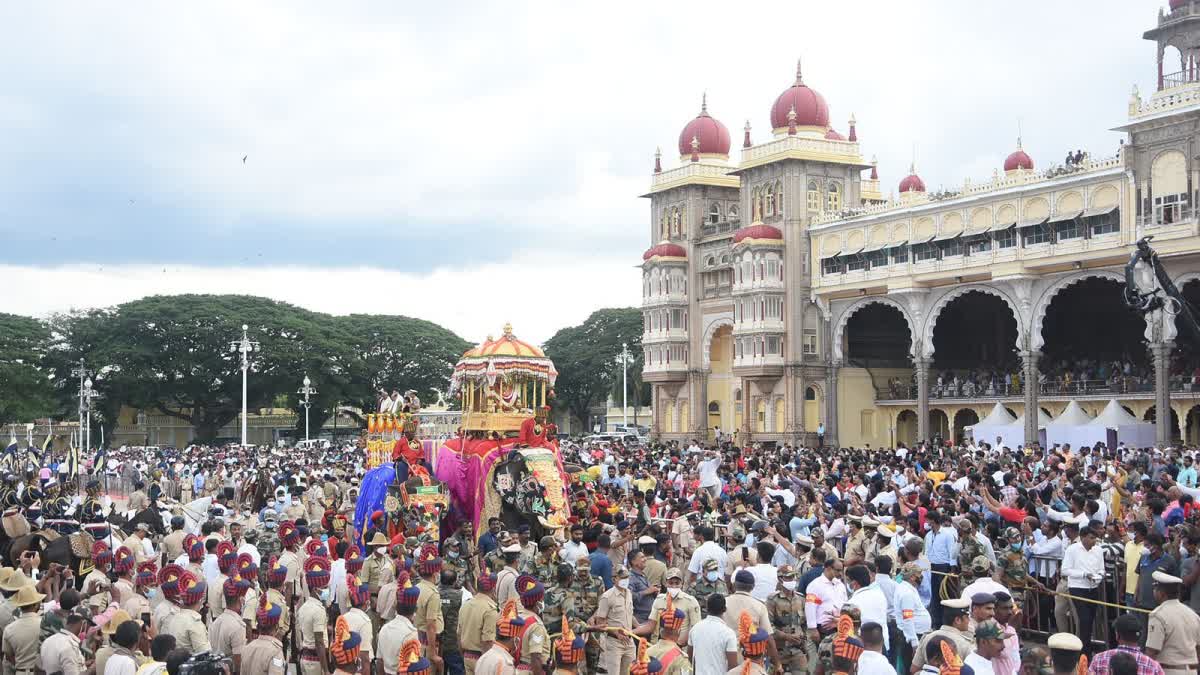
[[625, 386], [307, 390], [244, 348]]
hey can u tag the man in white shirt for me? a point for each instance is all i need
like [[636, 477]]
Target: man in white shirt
[[872, 661], [708, 550], [1083, 567], [989, 643], [911, 616], [575, 548], [867, 597], [709, 480], [766, 575], [714, 644]]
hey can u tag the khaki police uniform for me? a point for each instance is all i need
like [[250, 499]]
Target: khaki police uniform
[[228, 633], [616, 608], [392, 637], [1174, 630], [189, 630], [311, 621], [476, 625], [263, 656]]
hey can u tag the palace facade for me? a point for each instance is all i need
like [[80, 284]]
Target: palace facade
[[783, 290]]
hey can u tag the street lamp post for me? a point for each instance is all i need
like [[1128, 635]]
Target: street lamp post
[[244, 348], [307, 390], [625, 386], [80, 372], [88, 395]]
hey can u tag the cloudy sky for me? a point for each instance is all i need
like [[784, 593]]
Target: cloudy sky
[[475, 162]]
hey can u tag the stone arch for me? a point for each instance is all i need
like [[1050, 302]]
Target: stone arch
[[1184, 278], [840, 326], [1103, 196], [855, 241], [1069, 203], [710, 329], [932, 317], [831, 244], [952, 225], [1168, 173], [1036, 342]]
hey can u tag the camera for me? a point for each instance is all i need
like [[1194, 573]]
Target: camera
[[207, 663]]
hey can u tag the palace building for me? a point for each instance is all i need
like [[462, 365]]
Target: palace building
[[783, 290]]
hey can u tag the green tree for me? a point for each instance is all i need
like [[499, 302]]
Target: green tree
[[588, 358], [401, 353], [25, 389], [172, 354]]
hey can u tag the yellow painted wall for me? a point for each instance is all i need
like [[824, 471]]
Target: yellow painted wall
[[720, 380], [858, 421], [812, 412]]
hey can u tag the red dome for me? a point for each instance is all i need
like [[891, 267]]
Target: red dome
[[1018, 160], [758, 231], [811, 109], [833, 135], [713, 136], [665, 250], [912, 183]]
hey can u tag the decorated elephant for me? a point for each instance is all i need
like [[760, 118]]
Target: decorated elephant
[[490, 478]]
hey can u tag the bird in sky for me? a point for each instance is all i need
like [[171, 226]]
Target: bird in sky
[[244, 158]]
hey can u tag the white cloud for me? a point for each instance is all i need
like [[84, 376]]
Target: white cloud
[[539, 292]]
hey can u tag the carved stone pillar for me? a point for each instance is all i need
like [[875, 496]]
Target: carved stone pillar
[[831, 404], [1029, 364], [1161, 352], [699, 404], [922, 368]]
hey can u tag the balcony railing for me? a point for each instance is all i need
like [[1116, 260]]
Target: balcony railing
[[1179, 79], [1122, 387]]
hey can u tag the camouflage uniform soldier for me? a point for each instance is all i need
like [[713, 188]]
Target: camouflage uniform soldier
[[494, 560], [556, 601], [704, 586], [455, 562], [1014, 566], [786, 609], [582, 601], [543, 566], [268, 537], [969, 547]]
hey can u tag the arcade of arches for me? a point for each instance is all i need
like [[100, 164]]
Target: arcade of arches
[[1092, 349]]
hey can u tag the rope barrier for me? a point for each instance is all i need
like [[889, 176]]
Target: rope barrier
[[942, 591]]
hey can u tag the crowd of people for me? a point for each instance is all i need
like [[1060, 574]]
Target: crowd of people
[[678, 558]]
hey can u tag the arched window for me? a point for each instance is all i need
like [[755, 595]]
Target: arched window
[[733, 211], [710, 261], [1169, 185], [835, 198], [724, 259], [714, 213], [779, 197], [813, 196], [664, 226], [770, 200]]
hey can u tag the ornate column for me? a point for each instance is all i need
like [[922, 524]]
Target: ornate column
[[1161, 353], [699, 403], [656, 401], [922, 368], [1029, 364], [831, 404]]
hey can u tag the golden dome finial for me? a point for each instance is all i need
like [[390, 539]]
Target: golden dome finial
[[799, 76], [508, 330], [792, 114], [704, 103]]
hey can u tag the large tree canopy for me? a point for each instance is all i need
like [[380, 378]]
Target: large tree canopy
[[588, 358], [25, 390], [174, 354]]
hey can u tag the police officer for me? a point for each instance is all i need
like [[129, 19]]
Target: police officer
[[543, 565], [455, 562], [669, 655], [678, 599], [476, 622], [1174, 629], [428, 618], [616, 612], [264, 654], [786, 609], [536, 649], [312, 622]]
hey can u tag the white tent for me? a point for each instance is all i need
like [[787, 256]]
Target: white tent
[[1014, 434], [1114, 425], [1070, 427], [989, 428]]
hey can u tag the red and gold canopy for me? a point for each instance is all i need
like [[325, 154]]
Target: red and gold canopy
[[505, 357]]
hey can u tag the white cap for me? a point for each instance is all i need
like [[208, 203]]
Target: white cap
[[644, 539], [1066, 641], [514, 548], [1164, 578]]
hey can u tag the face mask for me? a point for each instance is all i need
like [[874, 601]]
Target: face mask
[[451, 554], [325, 594], [789, 585], [151, 593], [711, 576], [623, 584], [271, 504]]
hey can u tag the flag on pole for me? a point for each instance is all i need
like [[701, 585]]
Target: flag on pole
[[47, 446], [73, 461], [10, 451]]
